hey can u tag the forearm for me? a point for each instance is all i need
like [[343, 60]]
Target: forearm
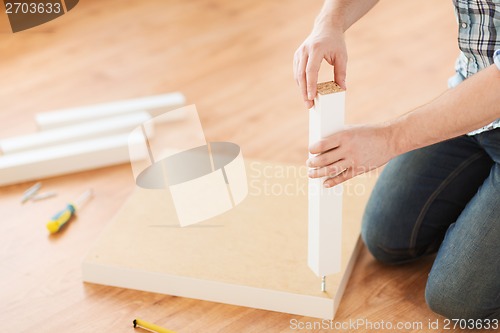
[[343, 13], [471, 105]]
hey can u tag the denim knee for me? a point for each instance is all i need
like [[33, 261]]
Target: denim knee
[[376, 240], [373, 243], [455, 301]]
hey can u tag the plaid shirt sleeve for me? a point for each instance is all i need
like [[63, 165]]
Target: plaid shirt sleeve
[[496, 58], [478, 40]]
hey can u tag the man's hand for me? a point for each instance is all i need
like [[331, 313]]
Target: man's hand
[[351, 152], [326, 41], [322, 43]]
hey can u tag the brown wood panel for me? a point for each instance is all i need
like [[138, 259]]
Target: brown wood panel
[[233, 59]]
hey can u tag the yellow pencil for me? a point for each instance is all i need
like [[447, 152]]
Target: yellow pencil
[[151, 327]]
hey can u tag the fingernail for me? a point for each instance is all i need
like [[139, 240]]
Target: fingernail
[[327, 185], [310, 96]]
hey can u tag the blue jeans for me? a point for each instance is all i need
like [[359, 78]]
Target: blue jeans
[[444, 198]]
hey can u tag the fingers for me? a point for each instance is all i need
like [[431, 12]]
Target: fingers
[[306, 68], [312, 69], [307, 62], [346, 175], [327, 158], [331, 170], [326, 144], [339, 68], [297, 74], [301, 75]]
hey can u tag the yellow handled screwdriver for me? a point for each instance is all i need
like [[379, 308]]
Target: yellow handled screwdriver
[[59, 220], [151, 327]]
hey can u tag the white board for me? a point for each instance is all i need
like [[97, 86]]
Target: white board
[[89, 130], [154, 105], [65, 158]]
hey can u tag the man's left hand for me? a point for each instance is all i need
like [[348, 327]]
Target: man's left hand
[[350, 152]]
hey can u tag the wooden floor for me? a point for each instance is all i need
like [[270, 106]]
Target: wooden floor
[[233, 59]]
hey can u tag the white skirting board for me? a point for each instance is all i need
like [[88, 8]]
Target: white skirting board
[[325, 204], [154, 105], [89, 130], [254, 255], [65, 158]]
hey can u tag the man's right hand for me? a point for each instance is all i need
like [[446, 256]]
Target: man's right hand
[[322, 43]]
